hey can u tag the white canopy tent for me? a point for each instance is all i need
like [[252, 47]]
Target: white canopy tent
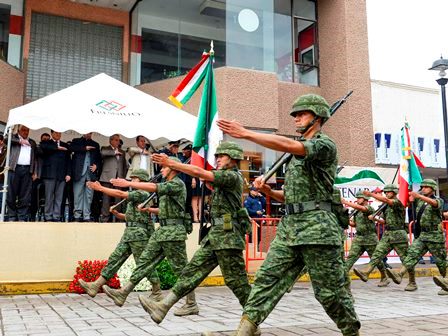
[[106, 106]]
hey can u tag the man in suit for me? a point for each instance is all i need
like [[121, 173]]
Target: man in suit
[[114, 166], [86, 161], [22, 167], [140, 158], [56, 171]]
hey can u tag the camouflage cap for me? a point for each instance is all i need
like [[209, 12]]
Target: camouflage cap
[[429, 183], [390, 187], [141, 174], [314, 103], [231, 149], [359, 194]]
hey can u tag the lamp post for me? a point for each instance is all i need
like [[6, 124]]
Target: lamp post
[[441, 65]]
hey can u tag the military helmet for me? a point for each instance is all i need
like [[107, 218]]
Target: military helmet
[[429, 183], [231, 149], [390, 187], [312, 102], [141, 174], [359, 194]]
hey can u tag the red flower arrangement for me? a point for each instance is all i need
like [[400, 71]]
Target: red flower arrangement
[[89, 271]]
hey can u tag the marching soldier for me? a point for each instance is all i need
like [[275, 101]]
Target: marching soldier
[[138, 230], [366, 235], [310, 233], [432, 238], [168, 241], [394, 236], [224, 243]]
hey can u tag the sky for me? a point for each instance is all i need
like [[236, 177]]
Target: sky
[[405, 38]]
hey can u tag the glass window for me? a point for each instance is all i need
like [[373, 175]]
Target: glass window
[[4, 31], [305, 52], [283, 40]]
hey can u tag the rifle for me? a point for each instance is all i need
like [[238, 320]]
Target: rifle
[[286, 157]]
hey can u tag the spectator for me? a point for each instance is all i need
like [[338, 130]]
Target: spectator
[[253, 204], [172, 149], [114, 166], [2, 164], [85, 165], [22, 167], [140, 157], [56, 172], [38, 186]]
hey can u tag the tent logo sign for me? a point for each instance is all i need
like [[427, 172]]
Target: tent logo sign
[[110, 105]]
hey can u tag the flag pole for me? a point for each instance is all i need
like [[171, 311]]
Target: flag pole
[[203, 224]]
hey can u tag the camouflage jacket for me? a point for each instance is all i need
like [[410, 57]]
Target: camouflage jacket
[[226, 199], [430, 221], [133, 215], [394, 216], [311, 178], [365, 228], [172, 197]]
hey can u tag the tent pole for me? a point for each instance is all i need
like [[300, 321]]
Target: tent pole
[[6, 173]]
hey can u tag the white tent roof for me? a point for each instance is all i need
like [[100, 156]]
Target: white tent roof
[[107, 106]]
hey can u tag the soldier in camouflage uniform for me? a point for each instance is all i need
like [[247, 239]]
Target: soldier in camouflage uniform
[[224, 243], [432, 239], [134, 239], [309, 234], [167, 241], [394, 237], [366, 235]]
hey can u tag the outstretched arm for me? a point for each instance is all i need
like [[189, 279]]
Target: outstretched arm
[[431, 201], [122, 183], [108, 191], [164, 160], [378, 197], [354, 205]]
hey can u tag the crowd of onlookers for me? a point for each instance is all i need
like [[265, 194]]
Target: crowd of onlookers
[[47, 180]]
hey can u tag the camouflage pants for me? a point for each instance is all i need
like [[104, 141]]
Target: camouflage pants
[[121, 254], [356, 251], [326, 269], [382, 250], [419, 248], [204, 261], [154, 252]]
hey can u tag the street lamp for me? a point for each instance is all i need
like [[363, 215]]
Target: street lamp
[[441, 65]]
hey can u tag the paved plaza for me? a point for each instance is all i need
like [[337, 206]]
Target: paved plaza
[[383, 311]]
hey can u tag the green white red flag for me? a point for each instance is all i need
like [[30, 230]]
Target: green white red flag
[[408, 173]]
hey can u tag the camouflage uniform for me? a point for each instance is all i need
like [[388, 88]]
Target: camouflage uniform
[[169, 240], [220, 248], [431, 238], [366, 238], [135, 237], [310, 238], [394, 237]]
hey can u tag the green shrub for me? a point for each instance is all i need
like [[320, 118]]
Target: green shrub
[[166, 275]]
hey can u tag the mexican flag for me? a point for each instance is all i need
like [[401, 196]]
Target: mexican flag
[[408, 171], [208, 135]]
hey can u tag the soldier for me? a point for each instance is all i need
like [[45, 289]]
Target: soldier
[[134, 239], [432, 239], [366, 235], [309, 234], [394, 236], [168, 241], [224, 243]]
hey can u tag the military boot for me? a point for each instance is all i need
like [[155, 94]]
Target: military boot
[[156, 292], [412, 285], [246, 327], [364, 276], [441, 282], [92, 288], [397, 277], [384, 282], [119, 295], [442, 292], [190, 307], [158, 310], [209, 333]]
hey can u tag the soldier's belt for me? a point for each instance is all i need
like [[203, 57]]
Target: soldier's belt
[[134, 224], [171, 221], [298, 208]]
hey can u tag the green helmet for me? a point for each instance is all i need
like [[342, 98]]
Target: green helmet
[[312, 102], [231, 149], [359, 194], [141, 174], [390, 187], [429, 183]]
